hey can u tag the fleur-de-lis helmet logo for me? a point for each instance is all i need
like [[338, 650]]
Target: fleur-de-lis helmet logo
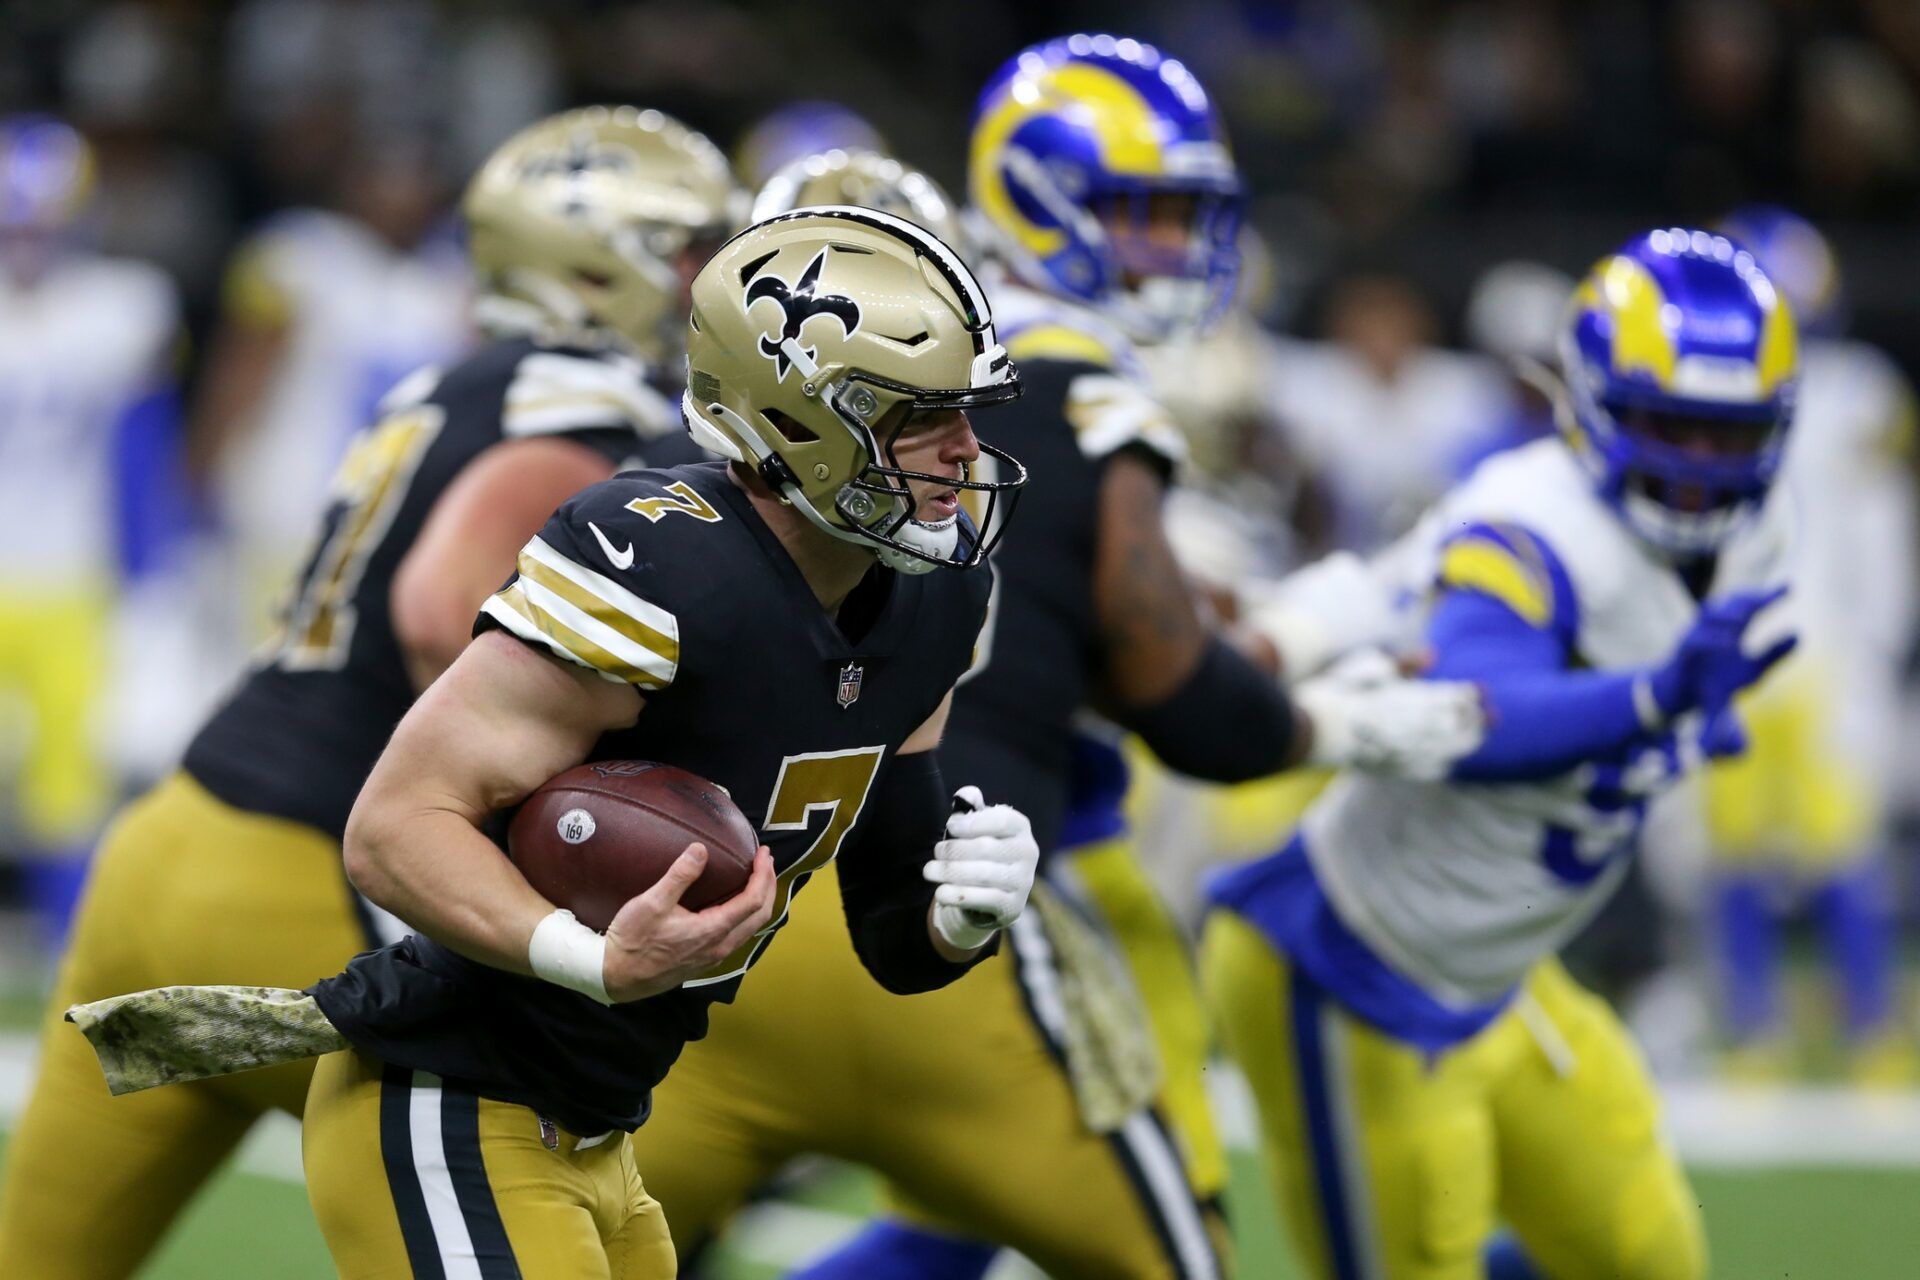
[[583, 158], [798, 305]]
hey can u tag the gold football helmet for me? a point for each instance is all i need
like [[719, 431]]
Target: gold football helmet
[[814, 336], [867, 179], [580, 226]]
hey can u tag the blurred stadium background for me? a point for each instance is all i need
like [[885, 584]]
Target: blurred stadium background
[[286, 168]]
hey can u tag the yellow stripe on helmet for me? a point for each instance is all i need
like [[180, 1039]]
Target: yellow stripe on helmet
[[1123, 124], [1634, 300], [1779, 356], [989, 187]]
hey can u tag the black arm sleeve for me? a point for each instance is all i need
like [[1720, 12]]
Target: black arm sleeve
[[1228, 723], [885, 896]]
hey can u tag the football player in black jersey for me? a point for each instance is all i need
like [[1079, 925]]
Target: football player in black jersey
[[1043, 1052], [790, 624], [585, 233]]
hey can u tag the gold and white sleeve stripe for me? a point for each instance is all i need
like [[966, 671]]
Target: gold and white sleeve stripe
[[588, 618], [1108, 411], [553, 393]]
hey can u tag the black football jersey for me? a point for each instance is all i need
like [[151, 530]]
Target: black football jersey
[[300, 734], [1011, 732], [670, 581]]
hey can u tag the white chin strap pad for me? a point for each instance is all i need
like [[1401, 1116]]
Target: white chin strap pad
[[937, 540]]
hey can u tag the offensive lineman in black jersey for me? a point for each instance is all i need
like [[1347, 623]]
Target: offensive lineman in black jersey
[[1048, 1061], [230, 869], [773, 623]]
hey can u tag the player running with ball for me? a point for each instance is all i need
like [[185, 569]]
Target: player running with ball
[[788, 624]]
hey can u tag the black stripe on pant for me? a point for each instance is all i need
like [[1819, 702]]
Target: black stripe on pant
[[458, 1140]]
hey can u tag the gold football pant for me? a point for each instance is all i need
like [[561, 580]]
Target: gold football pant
[[957, 1097], [185, 889], [1796, 796], [53, 652], [410, 1176], [1392, 1164]]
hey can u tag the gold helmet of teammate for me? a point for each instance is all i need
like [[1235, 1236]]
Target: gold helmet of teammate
[[814, 337], [867, 179], [586, 227]]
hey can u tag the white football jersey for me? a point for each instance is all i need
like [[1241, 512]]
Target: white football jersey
[[1853, 496], [1385, 450], [76, 350], [1462, 887], [360, 315]]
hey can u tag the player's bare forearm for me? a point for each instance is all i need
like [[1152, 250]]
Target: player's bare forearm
[[466, 548], [501, 721], [1203, 705], [241, 368], [1152, 635]]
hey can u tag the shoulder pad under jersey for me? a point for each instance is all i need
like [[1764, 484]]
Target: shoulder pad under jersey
[[554, 391], [603, 583]]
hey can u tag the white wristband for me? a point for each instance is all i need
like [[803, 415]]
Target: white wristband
[[959, 927], [568, 954], [1302, 645]]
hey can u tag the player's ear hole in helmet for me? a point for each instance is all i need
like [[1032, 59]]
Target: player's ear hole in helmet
[[821, 344]]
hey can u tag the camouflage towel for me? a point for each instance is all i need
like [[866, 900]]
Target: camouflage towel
[[1106, 1037], [174, 1034]]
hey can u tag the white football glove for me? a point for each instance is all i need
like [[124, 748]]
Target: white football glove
[[984, 868], [1313, 615], [1366, 715]]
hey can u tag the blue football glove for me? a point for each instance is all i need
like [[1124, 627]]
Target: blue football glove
[[1709, 667]]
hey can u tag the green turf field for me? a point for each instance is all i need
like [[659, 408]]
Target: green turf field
[[1766, 1224]]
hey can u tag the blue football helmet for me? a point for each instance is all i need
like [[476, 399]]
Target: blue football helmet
[[798, 129], [1799, 261], [1078, 144], [1681, 363], [46, 174]]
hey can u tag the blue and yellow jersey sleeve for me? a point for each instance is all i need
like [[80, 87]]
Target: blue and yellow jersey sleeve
[[1513, 568], [1066, 343], [1505, 617]]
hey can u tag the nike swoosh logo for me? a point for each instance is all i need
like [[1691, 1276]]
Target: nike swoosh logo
[[619, 559]]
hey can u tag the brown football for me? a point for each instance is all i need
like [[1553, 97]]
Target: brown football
[[597, 835]]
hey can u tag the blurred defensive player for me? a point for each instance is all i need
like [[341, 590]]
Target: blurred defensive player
[[323, 311], [1424, 1068], [1100, 171], [584, 232], [88, 417], [1804, 813]]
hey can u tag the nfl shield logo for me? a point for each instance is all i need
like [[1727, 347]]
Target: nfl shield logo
[[848, 691]]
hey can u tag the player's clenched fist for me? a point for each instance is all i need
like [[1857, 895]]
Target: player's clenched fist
[[984, 869], [655, 943]]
